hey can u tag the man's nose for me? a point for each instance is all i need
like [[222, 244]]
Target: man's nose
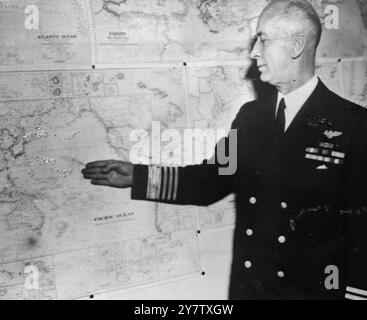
[[255, 52]]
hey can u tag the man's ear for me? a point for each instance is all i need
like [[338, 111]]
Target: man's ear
[[298, 44]]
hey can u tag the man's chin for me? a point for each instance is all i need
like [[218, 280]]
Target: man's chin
[[264, 77]]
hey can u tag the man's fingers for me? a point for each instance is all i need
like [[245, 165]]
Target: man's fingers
[[96, 164], [101, 182], [93, 176], [95, 170], [92, 170], [99, 164], [106, 169], [110, 167]]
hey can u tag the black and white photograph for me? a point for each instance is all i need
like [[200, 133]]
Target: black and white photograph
[[183, 150]]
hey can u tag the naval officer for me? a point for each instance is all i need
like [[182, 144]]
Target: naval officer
[[300, 181]]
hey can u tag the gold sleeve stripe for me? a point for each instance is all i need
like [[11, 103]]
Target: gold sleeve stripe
[[149, 181], [176, 184], [169, 196], [156, 181], [159, 183], [164, 189], [162, 183], [153, 185]]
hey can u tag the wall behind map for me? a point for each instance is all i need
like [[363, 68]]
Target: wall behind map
[[74, 83]]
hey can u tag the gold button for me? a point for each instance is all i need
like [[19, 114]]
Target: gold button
[[280, 274], [249, 232], [284, 205], [248, 264], [252, 200], [281, 239]]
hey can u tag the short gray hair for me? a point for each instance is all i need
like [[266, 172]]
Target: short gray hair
[[304, 9]]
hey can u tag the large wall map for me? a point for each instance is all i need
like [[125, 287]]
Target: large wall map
[[75, 86]]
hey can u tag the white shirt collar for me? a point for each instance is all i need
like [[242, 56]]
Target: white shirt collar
[[296, 99]]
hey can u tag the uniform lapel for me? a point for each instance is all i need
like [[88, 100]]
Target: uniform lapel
[[310, 122]]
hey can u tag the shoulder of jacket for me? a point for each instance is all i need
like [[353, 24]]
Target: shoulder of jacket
[[254, 106], [349, 111]]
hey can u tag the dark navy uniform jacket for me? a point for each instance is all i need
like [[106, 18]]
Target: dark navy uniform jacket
[[301, 199]]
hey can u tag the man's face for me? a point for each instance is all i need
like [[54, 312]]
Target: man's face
[[272, 50]]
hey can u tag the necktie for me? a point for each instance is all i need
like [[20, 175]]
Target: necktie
[[280, 118]]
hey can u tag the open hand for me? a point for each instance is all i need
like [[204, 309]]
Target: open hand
[[111, 173]]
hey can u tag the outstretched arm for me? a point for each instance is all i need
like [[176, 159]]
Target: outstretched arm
[[196, 184], [201, 184]]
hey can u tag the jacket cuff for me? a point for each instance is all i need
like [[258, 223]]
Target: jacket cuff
[[140, 182]]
